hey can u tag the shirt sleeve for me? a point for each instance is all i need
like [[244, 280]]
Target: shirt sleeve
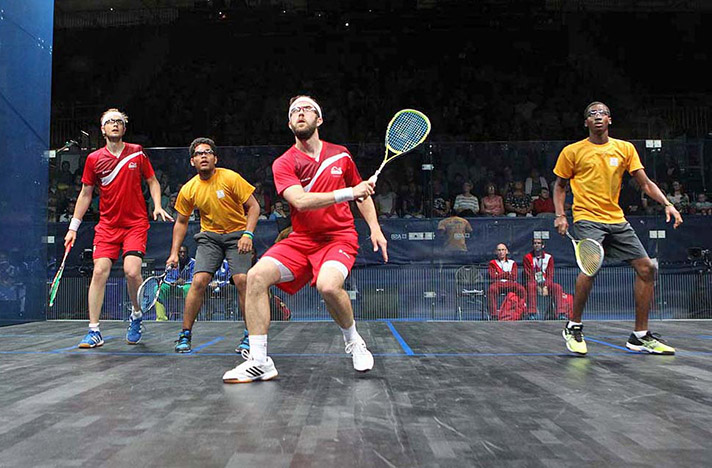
[[284, 175], [184, 205], [243, 189], [352, 177], [565, 164], [89, 174], [634, 162], [146, 167]]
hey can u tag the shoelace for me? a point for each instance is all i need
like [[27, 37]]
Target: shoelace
[[652, 336], [577, 333], [358, 346]]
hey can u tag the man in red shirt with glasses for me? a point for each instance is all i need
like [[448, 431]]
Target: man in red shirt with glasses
[[318, 179]]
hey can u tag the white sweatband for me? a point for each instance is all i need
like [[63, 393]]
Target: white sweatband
[[344, 194], [74, 224], [304, 101], [113, 115]]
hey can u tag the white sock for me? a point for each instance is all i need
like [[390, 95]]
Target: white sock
[[258, 348], [94, 327], [640, 334], [350, 334], [571, 324], [136, 314]]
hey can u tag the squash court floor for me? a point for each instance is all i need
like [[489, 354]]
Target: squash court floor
[[441, 394]]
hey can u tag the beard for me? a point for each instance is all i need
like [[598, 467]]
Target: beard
[[304, 133]]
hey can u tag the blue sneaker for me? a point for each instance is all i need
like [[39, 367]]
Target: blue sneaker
[[183, 342], [92, 339], [133, 333], [244, 344]]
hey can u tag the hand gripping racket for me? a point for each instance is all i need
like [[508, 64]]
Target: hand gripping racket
[[589, 255], [58, 277], [406, 130], [149, 290]]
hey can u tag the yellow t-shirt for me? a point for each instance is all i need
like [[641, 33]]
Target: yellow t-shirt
[[596, 174], [219, 200]]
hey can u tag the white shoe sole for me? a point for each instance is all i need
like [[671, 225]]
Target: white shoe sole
[[264, 377], [643, 349]]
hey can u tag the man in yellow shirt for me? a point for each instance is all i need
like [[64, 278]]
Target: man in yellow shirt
[[228, 216], [595, 167]]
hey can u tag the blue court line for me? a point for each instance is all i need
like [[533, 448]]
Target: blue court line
[[588, 338], [205, 345], [76, 346], [401, 341]]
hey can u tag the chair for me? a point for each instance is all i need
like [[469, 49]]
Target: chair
[[471, 291]]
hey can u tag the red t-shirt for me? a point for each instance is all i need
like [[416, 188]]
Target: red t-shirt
[[334, 170], [121, 202]]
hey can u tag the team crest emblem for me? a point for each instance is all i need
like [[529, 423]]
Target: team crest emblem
[[336, 170], [132, 165]]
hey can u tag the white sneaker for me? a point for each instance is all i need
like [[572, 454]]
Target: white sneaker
[[249, 371], [362, 357]]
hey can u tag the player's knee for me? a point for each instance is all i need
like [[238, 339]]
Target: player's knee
[[257, 279], [200, 282], [240, 282], [647, 271], [328, 289]]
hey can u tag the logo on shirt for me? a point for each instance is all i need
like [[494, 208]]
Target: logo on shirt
[[220, 194], [132, 165], [613, 162], [336, 170], [342, 252]]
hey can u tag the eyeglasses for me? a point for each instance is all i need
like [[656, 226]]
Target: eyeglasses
[[202, 153], [597, 112], [301, 109], [114, 121]]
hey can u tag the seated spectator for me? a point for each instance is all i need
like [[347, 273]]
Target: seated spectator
[[492, 203], [386, 200], [441, 204], [263, 199], [68, 212], [278, 210], [518, 203], [455, 231], [503, 278], [466, 204], [534, 183], [412, 203], [679, 198], [64, 177], [539, 279], [544, 205], [179, 278], [702, 206]]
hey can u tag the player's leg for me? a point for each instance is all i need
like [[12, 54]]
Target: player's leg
[[193, 303], [134, 247], [259, 365], [239, 264], [624, 245], [97, 288], [338, 259], [240, 281]]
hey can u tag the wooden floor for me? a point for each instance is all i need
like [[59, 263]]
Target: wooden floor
[[448, 394]]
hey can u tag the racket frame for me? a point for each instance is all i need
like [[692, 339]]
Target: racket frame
[[576, 243], [54, 288], [139, 292], [396, 153]]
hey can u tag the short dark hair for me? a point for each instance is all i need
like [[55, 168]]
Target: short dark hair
[[202, 141], [594, 103]]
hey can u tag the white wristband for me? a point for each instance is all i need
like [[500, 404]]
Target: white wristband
[[74, 224], [344, 194]]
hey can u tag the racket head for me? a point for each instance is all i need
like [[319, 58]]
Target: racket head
[[589, 256], [147, 294], [407, 129], [58, 277]]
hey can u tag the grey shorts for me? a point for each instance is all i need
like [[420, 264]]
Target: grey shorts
[[620, 242], [213, 248]]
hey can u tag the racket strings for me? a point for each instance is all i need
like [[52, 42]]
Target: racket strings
[[148, 294], [590, 256], [407, 131]]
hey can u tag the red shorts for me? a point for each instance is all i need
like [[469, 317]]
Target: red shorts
[[304, 255], [109, 241]]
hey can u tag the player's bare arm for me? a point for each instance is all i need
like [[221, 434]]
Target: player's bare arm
[[368, 211], [154, 188], [653, 191], [304, 201], [560, 222], [80, 209], [180, 228], [252, 211]]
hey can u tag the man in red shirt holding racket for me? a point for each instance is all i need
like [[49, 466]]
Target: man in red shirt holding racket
[[318, 179], [117, 169]]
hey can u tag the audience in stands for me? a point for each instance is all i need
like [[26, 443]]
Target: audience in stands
[[518, 203], [466, 204], [492, 203]]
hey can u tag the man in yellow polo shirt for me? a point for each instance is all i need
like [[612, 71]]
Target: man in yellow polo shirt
[[228, 216], [595, 168]]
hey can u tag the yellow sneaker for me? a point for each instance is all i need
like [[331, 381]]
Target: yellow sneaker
[[574, 339], [650, 343]]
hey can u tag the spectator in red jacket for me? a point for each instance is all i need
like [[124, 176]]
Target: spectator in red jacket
[[539, 278], [503, 277]]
